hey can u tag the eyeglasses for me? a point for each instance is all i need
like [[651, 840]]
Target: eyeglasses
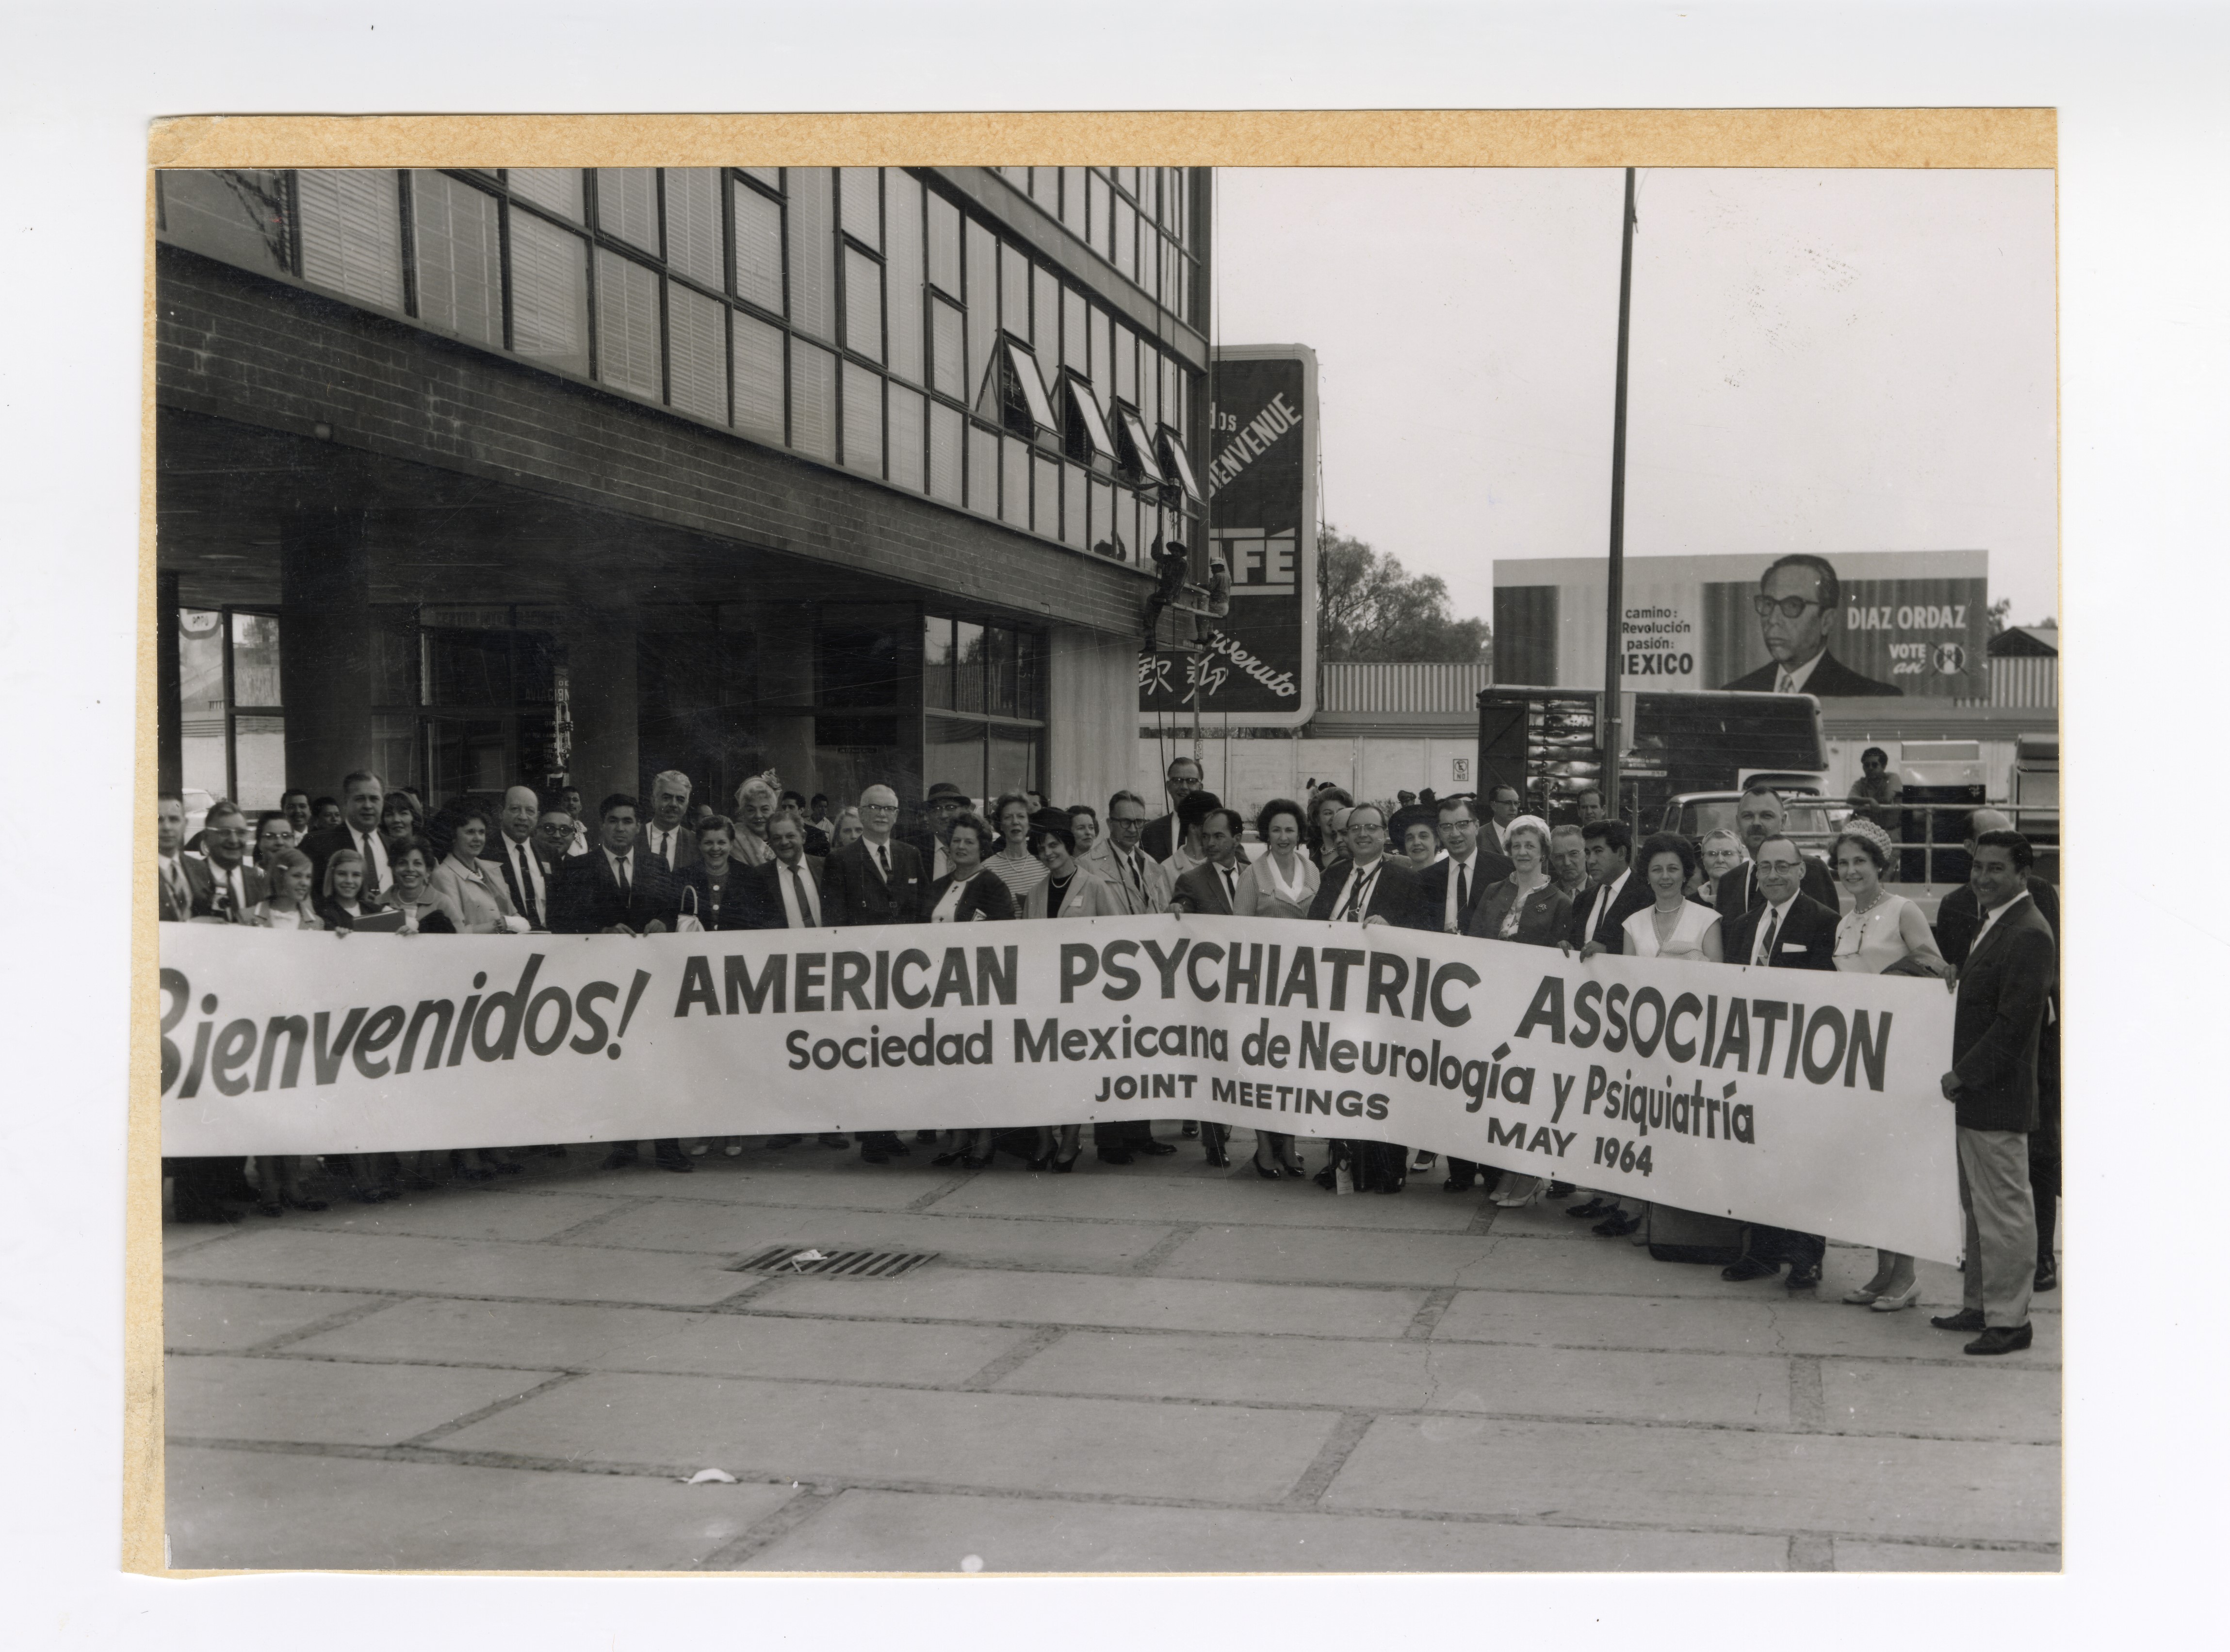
[[1791, 607], [878, 808], [1779, 865]]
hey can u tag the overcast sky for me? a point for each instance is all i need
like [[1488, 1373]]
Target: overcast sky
[[1821, 361]]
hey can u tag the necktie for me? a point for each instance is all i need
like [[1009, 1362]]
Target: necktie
[[804, 900], [1230, 888], [627, 883], [1463, 890], [182, 895], [238, 900], [530, 911], [883, 860], [1354, 896], [370, 868], [1131, 871], [1784, 684], [662, 844], [1772, 932]]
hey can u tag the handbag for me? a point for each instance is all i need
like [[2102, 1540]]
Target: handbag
[[686, 922]]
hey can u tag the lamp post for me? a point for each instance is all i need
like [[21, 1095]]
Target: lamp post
[[1614, 615]]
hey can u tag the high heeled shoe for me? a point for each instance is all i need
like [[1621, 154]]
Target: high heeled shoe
[[1866, 1294], [971, 1162], [1904, 1299], [952, 1158], [1064, 1166], [1264, 1170]]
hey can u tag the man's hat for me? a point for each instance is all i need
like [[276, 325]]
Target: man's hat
[[944, 788]]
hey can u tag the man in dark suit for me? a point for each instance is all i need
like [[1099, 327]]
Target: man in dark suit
[[617, 889], [364, 795], [1450, 887], [222, 887], [1162, 836], [874, 879], [1614, 894], [1213, 886], [521, 860], [1800, 605], [784, 893], [1787, 930], [174, 896], [667, 839], [1503, 804], [1759, 815], [1372, 887], [1958, 920], [2005, 990]]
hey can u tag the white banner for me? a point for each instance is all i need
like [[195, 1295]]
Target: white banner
[[1808, 1100]]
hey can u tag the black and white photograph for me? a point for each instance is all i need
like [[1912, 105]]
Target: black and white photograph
[[1445, 546], [1521, 592]]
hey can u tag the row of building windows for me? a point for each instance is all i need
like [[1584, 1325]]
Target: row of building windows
[[1139, 218], [851, 314]]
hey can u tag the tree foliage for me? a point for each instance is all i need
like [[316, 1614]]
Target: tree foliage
[[1368, 606]]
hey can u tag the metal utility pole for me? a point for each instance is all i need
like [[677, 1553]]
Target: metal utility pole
[[1614, 614]]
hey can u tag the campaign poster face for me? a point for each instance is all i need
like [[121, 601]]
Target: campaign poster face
[[1862, 625], [1258, 666]]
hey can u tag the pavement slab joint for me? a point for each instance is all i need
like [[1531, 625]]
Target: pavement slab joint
[[1437, 1302], [1168, 1246], [332, 1321], [1330, 1459], [484, 1412], [1807, 1403], [1024, 1350]]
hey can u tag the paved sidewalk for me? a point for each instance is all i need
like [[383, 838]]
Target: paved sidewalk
[[1157, 1367]]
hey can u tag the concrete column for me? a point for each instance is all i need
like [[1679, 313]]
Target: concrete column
[[786, 678], [169, 759], [324, 646], [1092, 714], [601, 664]]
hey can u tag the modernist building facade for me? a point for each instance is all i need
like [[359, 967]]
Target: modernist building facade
[[480, 476]]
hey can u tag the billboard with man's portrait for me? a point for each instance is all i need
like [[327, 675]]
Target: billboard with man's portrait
[[1854, 625]]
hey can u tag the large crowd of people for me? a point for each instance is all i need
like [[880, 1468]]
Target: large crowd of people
[[378, 860]]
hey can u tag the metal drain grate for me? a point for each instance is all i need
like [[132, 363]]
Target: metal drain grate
[[854, 1264]]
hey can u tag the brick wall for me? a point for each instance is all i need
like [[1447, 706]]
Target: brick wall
[[234, 345]]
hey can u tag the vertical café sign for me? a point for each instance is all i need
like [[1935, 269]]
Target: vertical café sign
[[1257, 667]]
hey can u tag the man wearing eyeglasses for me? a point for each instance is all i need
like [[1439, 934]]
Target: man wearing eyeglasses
[[874, 879], [1787, 930], [1799, 606]]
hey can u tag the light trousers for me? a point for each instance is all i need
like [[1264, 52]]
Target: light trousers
[[1994, 1191]]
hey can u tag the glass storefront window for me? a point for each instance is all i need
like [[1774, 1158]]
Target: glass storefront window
[[953, 752], [256, 659], [937, 663], [1013, 760], [968, 652]]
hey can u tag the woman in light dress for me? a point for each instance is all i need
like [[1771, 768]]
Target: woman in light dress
[[1527, 909], [967, 894], [1277, 883], [756, 803], [1671, 925], [1882, 934]]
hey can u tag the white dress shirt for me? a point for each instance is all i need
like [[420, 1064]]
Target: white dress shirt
[[623, 871], [792, 881], [528, 870], [1358, 893], [1992, 917], [1769, 923], [375, 855], [1786, 681], [1606, 898], [1451, 914], [666, 845]]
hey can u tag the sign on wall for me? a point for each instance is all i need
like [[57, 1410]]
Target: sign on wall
[[1852, 625], [1258, 667]]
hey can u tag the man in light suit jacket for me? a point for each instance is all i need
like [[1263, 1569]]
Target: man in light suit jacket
[[1760, 815], [223, 886], [1787, 930], [665, 838], [2004, 992], [874, 879], [1120, 859]]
